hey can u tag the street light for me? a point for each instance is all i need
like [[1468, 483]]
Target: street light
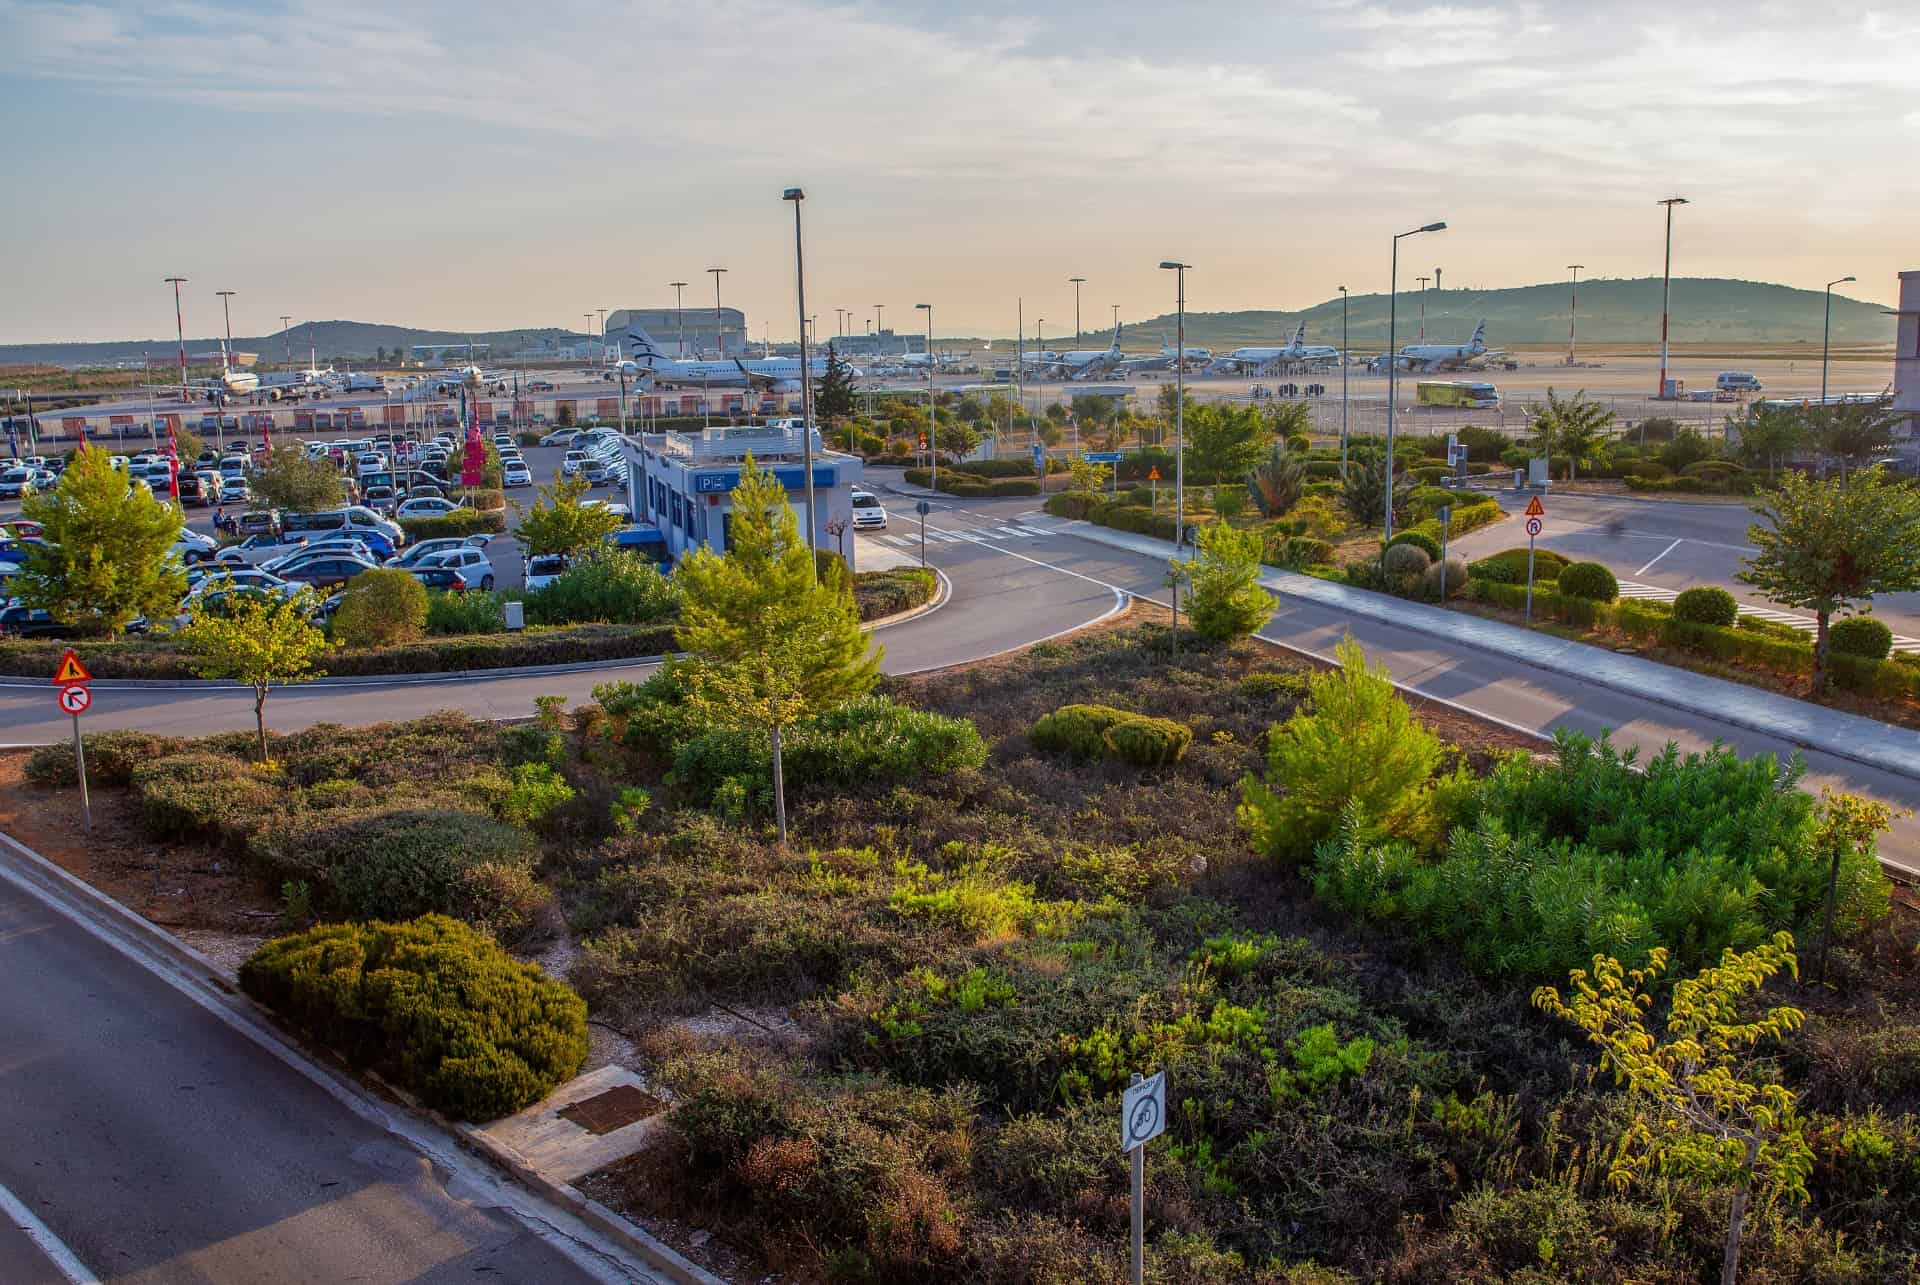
[[1179, 271], [1423, 307], [933, 436], [795, 195], [1826, 334], [719, 324], [1393, 365], [679, 317], [603, 335], [879, 315], [226, 359], [1573, 306], [1666, 291], [1077, 283], [286, 333], [1116, 316], [181, 332], [589, 320], [1345, 361]]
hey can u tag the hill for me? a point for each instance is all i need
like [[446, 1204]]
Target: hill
[[1705, 310], [336, 341]]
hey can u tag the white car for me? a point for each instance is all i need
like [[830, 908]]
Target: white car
[[426, 507], [574, 462], [474, 563], [868, 513], [516, 475], [544, 570], [194, 547], [560, 437], [16, 482]]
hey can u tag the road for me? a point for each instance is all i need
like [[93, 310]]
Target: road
[[159, 1144]]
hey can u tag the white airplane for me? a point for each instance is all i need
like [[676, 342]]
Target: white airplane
[[1444, 356], [475, 379], [234, 381], [1083, 363], [1298, 349], [767, 374]]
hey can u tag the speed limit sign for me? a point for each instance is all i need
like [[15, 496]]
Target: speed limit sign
[[74, 700]]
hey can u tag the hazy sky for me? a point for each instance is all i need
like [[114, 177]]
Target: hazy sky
[[480, 164]]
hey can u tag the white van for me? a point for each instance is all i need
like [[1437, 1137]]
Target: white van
[[1736, 381]]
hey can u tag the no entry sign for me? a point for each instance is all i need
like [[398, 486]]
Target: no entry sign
[[75, 699]]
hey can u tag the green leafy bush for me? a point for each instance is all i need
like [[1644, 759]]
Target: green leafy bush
[[1419, 540], [613, 587], [1071, 504], [1147, 742], [1404, 566], [1588, 580], [432, 1003], [396, 861], [200, 795], [888, 593], [1861, 636], [473, 612], [536, 791], [111, 757], [461, 523], [1099, 731], [1706, 605], [1509, 566], [1454, 574], [379, 608]]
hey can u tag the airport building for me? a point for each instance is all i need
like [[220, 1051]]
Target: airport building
[[1906, 352], [703, 331], [683, 483]]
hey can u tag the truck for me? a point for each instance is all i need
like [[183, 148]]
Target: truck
[[1457, 392], [366, 383]]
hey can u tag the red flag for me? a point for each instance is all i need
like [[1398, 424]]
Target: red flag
[[173, 463], [266, 436], [83, 434]]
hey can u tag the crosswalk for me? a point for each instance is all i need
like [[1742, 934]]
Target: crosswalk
[[1655, 593], [907, 535]]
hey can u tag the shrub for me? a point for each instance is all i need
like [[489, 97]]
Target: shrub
[[392, 862], [1419, 540], [1296, 551], [1227, 600], [433, 1003], [1509, 566], [380, 608], [475, 612], [1147, 742], [1706, 605], [1861, 636], [609, 588], [1589, 580], [111, 758], [1079, 730], [1403, 565], [201, 795], [463, 523], [887, 593], [1071, 504], [1456, 579], [537, 790]]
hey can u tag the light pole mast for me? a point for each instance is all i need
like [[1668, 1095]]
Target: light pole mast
[[1666, 291], [1393, 368], [679, 316], [933, 434], [1077, 283], [180, 331], [1423, 307], [719, 330], [286, 334], [795, 195], [1826, 337], [1179, 271], [1573, 306], [1344, 363], [879, 316]]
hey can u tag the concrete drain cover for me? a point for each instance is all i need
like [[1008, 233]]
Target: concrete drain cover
[[617, 1108]]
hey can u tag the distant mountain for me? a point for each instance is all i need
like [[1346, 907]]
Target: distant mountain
[[335, 340], [1705, 310]]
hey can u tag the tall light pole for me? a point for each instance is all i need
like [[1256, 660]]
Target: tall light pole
[[795, 195], [226, 358], [1077, 283], [1393, 366], [719, 331], [933, 436], [1179, 271], [1666, 291], [1344, 363], [1423, 307], [286, 333], [840, 315], [603, 335], [588, 327], [181, 332], [1826, 336], [679, 315], [1573, 306], [879, 316], [1116, 316]]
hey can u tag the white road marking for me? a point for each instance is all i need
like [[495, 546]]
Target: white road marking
[[1656, 557], [64, 1260], [1654, 593]]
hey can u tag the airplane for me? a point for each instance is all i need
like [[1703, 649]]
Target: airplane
[[1085, 363], [1430, 357], [1298, 349], [650, 363], [490, 381]]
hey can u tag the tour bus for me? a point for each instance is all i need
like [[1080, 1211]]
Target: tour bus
[[1458, 392]]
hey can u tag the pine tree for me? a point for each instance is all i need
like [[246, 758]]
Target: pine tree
[[833, 392], [769, 643], [107, 556]]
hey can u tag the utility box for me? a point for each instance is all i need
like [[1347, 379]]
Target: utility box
[[516, 613]]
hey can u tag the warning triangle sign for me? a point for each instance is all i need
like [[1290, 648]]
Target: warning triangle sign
[[71, 670], [1153, 474], [1535, 509]]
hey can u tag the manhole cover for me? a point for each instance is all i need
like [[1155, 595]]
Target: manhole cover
[[617, 1108]]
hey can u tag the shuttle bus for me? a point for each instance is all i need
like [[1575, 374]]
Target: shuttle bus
[[1458, 392]]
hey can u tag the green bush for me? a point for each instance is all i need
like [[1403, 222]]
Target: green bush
[[1019, 468], [1456, 579], [1589, 580], [397, 861], [432, 1003], [1296, 551], [613, 587], [1403, 566], [1079, 730], [473, 612], [380, 608], [1071, 504], [1861, 636], [463, 523], [111, 758], [890, 592], [201, 795], [1509, 566], [1706, 605], [1419, 540], [1147, 742]]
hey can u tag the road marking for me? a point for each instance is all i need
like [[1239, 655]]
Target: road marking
[[64, 1260], [1654, 593], [1656, 557]]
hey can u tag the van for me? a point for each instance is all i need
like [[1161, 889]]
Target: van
[[1736, 381]]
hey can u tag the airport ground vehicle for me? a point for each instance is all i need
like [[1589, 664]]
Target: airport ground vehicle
[[1457, 392], [1736, 381], [868, 513]]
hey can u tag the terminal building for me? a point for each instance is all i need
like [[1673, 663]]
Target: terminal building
[[1906, 354], [705, 330], [683, 483]]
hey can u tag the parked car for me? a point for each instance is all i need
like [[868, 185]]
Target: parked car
[[258, 522], [544, 569], [574, 461], [260, 549], [426, 507], [17, 620], [421, 553], [868, 512], [192, 547], [560, 437], [447, 579], [327, 570], [16, 482], [515, 475], [235, 491], [381, 499], [474, 562], [203, 578], [24, 529]]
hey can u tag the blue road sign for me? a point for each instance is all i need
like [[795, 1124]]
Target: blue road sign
[[1102, 457], [1039, 459]]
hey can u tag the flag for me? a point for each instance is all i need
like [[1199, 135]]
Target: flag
[[266, 436], [173, 463]]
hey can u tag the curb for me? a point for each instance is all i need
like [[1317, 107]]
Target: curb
[[942, 591], [56, 885]]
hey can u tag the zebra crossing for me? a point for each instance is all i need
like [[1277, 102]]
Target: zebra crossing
[[1655, 593], [908, 536]]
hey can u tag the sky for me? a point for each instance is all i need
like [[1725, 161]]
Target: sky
[[487, 165]]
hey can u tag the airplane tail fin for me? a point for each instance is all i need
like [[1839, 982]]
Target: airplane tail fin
[[645, 351], [1480, 335], [1300, 335]]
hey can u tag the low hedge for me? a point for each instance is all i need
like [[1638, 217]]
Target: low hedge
[[1732, 484], [464, 523], [972, 485], [112, 758], [1062, 504], [432, 1004], [999, 468], [1589, 580], [887, 593], [1100, 731], [1509, 566]]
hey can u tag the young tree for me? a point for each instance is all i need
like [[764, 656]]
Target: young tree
[[107, 558], [1290, 419], [1771, 432], [1576, 430], [769, 644], [287, 479], [1279, 481], [956, 439], [1224, 440], [259, 639], [1855, 432], [1227, 600], [381, 607], [1364, 493], [833, 391], [1086, 475], [1716, 1126], [1831, 544], [559, 523]]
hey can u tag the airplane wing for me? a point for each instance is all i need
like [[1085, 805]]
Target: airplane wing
[[759, 383]]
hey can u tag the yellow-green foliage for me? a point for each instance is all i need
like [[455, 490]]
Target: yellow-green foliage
[[978, 899], [432, 1002], [1099, 731]]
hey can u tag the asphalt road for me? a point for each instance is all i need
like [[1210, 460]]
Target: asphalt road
[[159, 1144]]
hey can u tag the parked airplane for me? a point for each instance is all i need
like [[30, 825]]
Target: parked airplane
[[1298, 349], [1082, 363], [1429, 357], [769, 374]]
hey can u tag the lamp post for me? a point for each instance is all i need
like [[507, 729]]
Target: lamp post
[[841, 321], [603, 335], [1116, 315], [1423, 307], [933, 434], [589, 322], [719, 333], [879, 328], [1573, 306], [1826, 336], [286, 334], [1343, 383], [180, 331], [1179, 271], [679, 316], [226, 359], [1666, 291], [1393, 366], [795, 195], [1077, 283]]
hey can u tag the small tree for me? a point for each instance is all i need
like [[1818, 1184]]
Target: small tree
[[381, 607], [769, 644], [1576, 430], [1364, 493], [288, 479], [833, 391], [1290, 419], [1227, 600], [1770, 433], [559, 523], [259, 639], [1087, 475], [1224, 440], [1831, 544], [1714, 1126], [1855, 432], [107, 556], [1278, 482]]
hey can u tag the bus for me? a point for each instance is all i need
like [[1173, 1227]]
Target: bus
[[1458, 392]]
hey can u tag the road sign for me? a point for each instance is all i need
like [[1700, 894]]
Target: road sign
[[1535, 509], [923, 508], [1143, 1111], [1102, 457], [1039, 458], [1533, 526], [74, 699], [1153, 474], [70, 670]]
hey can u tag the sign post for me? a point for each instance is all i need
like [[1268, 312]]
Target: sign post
[[1446, 521], [1535, 511], [1040, 462], [1153, 476], [71, 677], [1143, 1117], [923, 508]]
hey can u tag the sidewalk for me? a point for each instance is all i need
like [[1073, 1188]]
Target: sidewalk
[[1847, 736]]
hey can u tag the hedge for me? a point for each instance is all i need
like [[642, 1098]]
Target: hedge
[[1002, 468], [1734, 484], [1589, 580], [1509, 566], [1427, 544], [1706, 605], [1100, 731], [888, 593], [974, 486], [431, 1003], [463, 523]]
